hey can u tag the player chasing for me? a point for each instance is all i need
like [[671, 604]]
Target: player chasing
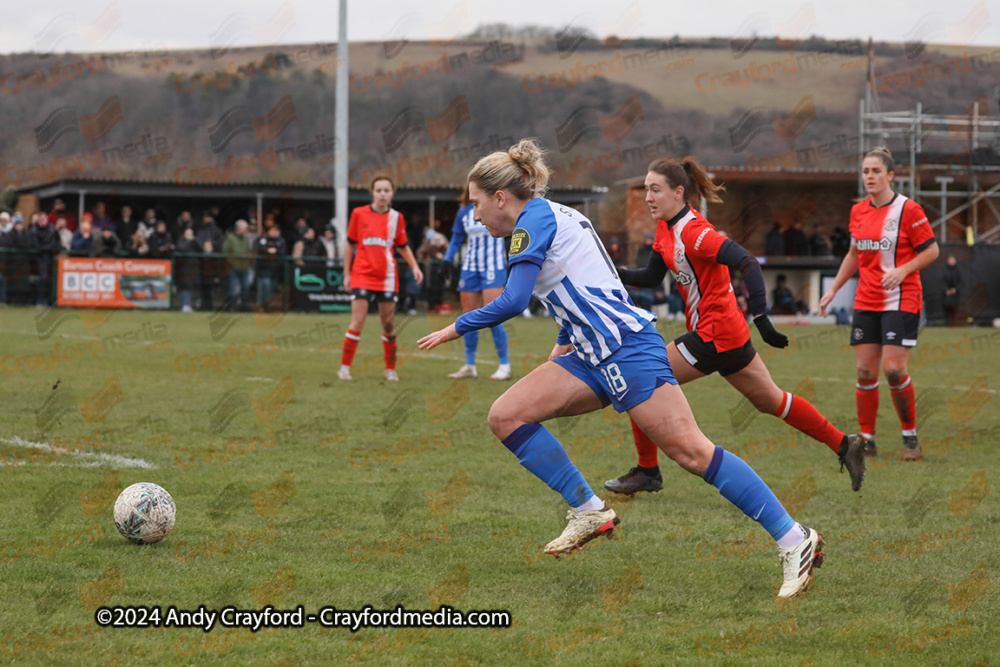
[[617, 358], [718, 338], [891, 241], [484, 272], [372, 233]]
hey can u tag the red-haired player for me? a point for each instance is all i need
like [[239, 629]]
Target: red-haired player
[[700, 259], [372, 234], [891, 241]]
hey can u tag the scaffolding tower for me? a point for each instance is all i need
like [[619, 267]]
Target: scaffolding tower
[[960, 154]]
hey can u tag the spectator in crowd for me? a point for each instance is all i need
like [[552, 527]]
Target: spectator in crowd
[[209, 232], [127, 225], [431, 253], [161, 244], [329, 241], [109, 244], [101, 220], [18, 261], [187, 267], [59, 210], [148, 223], [268, 223], [298, 231], [184, 220], [782, 300], [271, 250], [65, 235], [139, 244], [308, 246], [796, 243], [952, 280], [819, 243], [84, 240], [238, 251], [774, 242], [46, 240], [841, 242], [211, 240]]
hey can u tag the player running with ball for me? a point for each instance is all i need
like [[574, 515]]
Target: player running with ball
[[891, 241], [618, 358], [718, 338]]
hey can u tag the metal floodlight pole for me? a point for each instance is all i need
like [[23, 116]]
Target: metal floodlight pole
[[340, 145]]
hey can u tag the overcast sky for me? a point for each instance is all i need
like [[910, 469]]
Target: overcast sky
[[120, 25]]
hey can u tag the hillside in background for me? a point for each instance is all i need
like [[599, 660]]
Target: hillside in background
[[425, 112]]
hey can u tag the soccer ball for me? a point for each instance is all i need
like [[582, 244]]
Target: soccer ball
[[145, 513], [996, 323]]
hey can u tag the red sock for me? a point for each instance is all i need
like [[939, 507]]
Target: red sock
[[351, 339], [389, 350], [648, 451], [800, 413], [906, 407], [866, 396]]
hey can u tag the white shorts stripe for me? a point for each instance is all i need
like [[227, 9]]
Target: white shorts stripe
[[686, 353], [909, 342]]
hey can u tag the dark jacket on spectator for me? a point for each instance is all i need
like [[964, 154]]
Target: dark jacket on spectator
[[267, 262], [313, 248], [952, 279], [46, 239], [109, 246], [209, 233], [160, 245], [188, 268], [81, 243]]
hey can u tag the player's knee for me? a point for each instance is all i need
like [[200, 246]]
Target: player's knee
[[502, 422], [867, 375], [895, 376]]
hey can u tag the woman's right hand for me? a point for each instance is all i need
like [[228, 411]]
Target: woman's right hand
[[825, 301]]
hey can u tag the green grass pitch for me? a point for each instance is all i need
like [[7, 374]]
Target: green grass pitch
[[293, 488]]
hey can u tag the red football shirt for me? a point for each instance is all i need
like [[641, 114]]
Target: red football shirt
[[689, 245], [374, 235], [886, 237]]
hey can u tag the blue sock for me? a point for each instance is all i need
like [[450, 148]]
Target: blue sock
[[542, 455], [740, 485], [500, 343], [471, 343]]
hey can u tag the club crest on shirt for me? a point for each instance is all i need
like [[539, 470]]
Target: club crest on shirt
[[890, 225], [519, 241], [681, 278], [679, 254]]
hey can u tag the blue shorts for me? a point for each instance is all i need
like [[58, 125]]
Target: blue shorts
[[477, 281], [630, 375]]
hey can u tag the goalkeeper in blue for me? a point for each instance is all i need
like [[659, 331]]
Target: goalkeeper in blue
[[608, 352]]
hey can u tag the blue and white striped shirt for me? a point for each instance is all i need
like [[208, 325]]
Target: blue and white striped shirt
[[577, 283], [485, 254]]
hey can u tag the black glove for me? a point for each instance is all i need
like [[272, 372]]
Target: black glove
[[769, 333]]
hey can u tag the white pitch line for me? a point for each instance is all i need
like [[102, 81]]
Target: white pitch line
[[90, 459]]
